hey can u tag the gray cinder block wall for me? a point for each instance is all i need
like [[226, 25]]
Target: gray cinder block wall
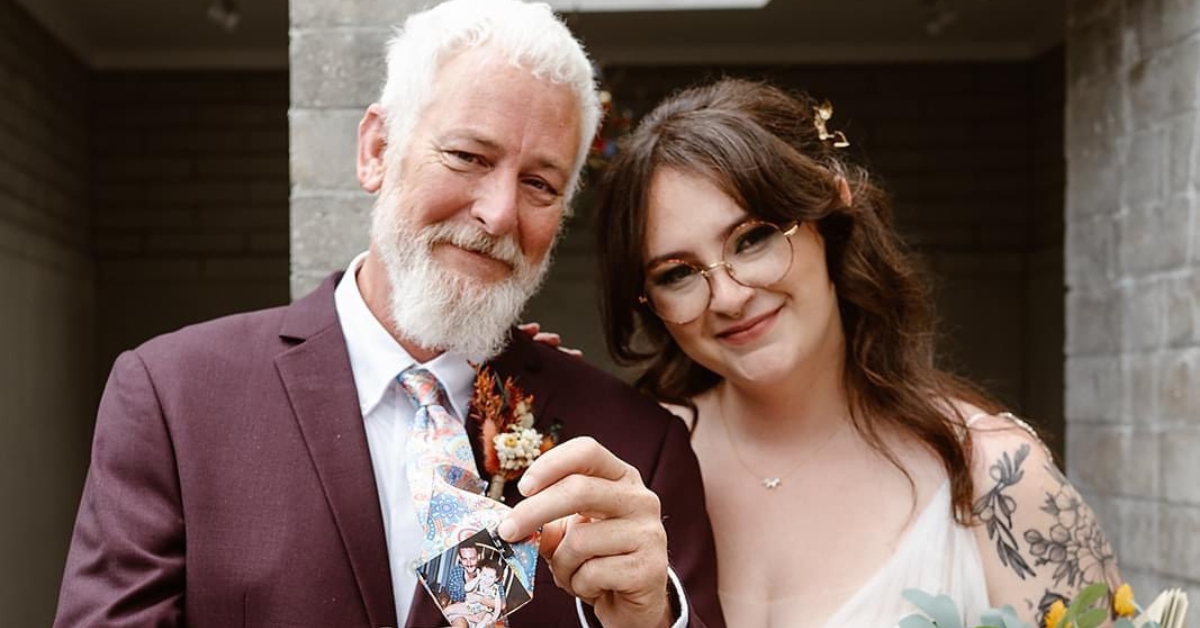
[[47, 312], [1133, 278], [337, 69]]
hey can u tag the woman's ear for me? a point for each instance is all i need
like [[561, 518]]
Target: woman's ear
[[372, 141], [844, 191]]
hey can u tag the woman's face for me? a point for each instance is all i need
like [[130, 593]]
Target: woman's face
[[751, 335]]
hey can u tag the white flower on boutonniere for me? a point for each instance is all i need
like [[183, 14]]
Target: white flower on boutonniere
[[518, 447], [510, 443]]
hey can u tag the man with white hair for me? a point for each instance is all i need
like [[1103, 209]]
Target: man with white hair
[[259, 469]]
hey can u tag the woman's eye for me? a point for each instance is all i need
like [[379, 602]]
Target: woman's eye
[[673, 276], [754, 238]]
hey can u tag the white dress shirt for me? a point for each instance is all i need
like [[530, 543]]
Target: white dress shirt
[[375, 360]]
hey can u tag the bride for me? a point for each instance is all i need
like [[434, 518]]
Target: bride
[[756, 278]]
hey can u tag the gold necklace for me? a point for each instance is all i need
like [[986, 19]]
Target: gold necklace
[[774, 481]]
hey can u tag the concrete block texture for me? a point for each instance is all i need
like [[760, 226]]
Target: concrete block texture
[[1165, 83], [1093, 322], [314, 14], [323, 148], [337, 67], [1113, 460], [328, 230], [1132, 135], [1093, 385]]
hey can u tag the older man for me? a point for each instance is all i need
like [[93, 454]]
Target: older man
[[259, 470]]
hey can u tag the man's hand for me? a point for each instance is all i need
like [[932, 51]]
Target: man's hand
[[602, 532]]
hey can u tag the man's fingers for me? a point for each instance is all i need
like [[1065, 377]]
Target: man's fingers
[[530, 328], [582, 456], [599, 539], [575, 494], [552, 536], [621, 574]]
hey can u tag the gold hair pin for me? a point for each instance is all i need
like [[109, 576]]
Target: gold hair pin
[[821, 114]]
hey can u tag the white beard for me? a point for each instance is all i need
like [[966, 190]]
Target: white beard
[[439, 309]]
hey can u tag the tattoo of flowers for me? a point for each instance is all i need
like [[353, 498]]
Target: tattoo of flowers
[[1075, 546], [995, 510]]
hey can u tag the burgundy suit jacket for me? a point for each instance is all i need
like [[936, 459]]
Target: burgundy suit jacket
[[231, 485]]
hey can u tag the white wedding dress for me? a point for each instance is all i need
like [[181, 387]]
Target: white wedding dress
[[937, 556]]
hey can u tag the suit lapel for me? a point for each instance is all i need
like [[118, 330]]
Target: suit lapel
[[316, 375]]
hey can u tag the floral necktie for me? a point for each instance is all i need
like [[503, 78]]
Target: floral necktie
[[446, 488]]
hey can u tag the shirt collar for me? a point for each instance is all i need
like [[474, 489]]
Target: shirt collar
[[376, 358]]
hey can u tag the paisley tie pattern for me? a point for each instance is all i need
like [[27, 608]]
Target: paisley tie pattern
[[446, 488]]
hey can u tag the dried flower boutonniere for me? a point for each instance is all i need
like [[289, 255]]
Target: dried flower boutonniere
[[505, 415]]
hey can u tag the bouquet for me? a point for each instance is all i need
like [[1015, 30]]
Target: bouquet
[[1089, 609]]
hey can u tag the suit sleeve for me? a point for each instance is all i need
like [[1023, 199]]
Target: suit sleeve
[[691, 549], [125, 567]]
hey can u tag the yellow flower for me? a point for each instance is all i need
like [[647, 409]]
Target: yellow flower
[[1123, 601], [1055, 613]]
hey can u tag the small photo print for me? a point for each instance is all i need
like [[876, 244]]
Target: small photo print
[[475, 582]]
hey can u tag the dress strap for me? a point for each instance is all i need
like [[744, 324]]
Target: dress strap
[[975, 417], [1017, 421]]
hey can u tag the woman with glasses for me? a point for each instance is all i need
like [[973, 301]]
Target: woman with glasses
[[756, 278]]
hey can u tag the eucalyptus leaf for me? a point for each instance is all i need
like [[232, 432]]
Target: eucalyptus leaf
[[991, 618], [915, 621], [940, 609], [1009, 614]]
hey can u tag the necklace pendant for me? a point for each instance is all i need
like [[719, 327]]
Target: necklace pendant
[[770, 483]]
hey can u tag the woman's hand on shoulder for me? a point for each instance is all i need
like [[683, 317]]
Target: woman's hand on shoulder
[[548, 338], [1038, 539]]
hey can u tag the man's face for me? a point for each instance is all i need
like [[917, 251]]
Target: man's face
[[468, 557], [465, 222]]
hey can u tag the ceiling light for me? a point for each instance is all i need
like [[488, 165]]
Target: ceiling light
[[224, 13]]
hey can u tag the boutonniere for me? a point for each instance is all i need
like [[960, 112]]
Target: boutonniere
[[505, 415]]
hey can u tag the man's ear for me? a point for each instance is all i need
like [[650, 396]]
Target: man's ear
[[372, 141]]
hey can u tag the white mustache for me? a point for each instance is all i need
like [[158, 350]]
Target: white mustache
[[475, 240]]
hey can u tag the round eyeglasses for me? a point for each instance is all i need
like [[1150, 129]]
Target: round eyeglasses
[[756, 254]]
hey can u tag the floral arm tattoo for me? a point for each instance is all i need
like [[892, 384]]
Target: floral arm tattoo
[[995, 510], [1068, 548], [1075, 547]]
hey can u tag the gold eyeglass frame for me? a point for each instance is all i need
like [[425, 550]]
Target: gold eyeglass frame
[[707, 271]]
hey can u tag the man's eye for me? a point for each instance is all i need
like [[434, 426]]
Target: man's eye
[[542, 186], [464, 157]]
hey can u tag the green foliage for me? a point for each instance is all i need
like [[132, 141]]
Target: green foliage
[[1089, 609]]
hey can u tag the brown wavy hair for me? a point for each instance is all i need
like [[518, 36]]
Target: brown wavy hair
[[760, 146]]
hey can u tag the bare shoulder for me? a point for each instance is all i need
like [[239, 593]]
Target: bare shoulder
[[1038, 539]]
